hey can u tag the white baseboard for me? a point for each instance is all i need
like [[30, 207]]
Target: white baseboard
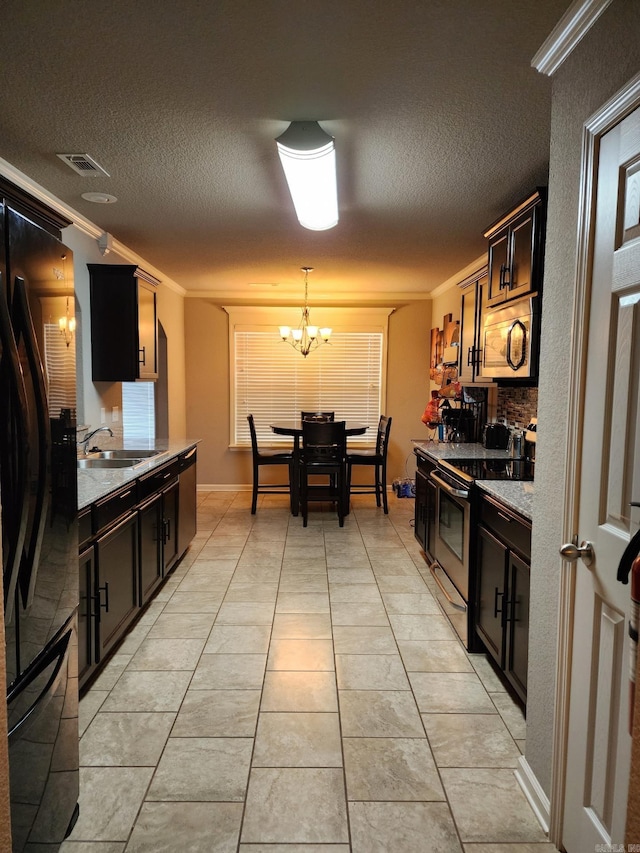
[[532, 790]]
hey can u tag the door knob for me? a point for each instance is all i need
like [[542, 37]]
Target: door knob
[[572, 552]]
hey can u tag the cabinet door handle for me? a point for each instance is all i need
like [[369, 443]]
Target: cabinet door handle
[[505, 276], [143, 354], [471, 355], [124, 495], [505, 517], [523, 355], [93, 606], [104, 588], [167, 527], [497, 610]]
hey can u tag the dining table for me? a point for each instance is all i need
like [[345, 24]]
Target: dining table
[[294, 429]]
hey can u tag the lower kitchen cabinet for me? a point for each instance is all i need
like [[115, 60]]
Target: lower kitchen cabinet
[[502, 590], [150, 531], [425, 506], [517, 657], [116, 593], [86, 613], [170, 551], [187, 511], [129, 542], [158, 525]]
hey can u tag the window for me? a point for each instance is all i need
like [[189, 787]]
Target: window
[[274, 382], [138, 412], [60, 361]]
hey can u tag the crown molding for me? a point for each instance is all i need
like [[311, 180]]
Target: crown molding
[[572, 26], [84, 225], [474, 269]]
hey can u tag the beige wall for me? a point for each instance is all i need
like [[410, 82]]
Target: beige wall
[[207, 389], [607, 57], [171, 316]]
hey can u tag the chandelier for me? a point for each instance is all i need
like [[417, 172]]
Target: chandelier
[[66, 323], [306, 337]]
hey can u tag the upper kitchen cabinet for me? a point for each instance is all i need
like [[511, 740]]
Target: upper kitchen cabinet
[[470, 353], [124, 338], [516, 251]]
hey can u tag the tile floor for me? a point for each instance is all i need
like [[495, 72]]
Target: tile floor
[[296, 689]]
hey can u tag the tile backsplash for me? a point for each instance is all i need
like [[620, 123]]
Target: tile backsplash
[[517, 405]]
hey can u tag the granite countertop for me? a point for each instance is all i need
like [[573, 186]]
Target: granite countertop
[[453, 450], [516, 494], [97, 483]]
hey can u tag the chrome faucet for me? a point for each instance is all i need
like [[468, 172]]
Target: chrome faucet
[[85, 441]]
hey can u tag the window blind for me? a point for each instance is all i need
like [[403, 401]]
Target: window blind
[[274, 382], [60, 362], [138, 411]]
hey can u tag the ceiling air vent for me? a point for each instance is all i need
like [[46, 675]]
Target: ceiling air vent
[[84, 165]]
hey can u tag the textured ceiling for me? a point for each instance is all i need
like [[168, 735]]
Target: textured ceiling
[[440, 125]]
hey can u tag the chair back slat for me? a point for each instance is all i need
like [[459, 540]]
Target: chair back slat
[[317, 416]]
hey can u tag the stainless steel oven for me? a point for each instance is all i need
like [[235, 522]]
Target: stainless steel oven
[[451, 540], [452, 533]]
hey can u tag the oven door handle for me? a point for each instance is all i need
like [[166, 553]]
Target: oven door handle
[[458, 493], [432, 568]]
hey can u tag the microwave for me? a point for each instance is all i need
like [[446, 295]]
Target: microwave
[[510, 340]]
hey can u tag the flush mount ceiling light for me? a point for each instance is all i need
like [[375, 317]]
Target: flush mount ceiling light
[[308, 159]]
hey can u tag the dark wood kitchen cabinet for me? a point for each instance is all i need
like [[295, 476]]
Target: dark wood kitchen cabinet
[[470, 354], [124, 336], [86, 612], [516, 251], [150, 532], [502, 590], [157, 522], [117, 588], [129, 541], [187, 502], [425, 506]]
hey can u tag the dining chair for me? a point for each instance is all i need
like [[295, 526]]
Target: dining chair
[[317, 416], [377, 459], [269, 457], [323, 452]]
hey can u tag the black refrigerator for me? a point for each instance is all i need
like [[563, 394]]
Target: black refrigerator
[[38, 494]]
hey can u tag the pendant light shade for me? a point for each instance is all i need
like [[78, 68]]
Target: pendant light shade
[[308, 158]]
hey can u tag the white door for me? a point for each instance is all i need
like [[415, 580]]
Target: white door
[[599, 745]]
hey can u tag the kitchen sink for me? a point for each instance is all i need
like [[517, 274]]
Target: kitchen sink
[[138, 455], [101, 462]]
